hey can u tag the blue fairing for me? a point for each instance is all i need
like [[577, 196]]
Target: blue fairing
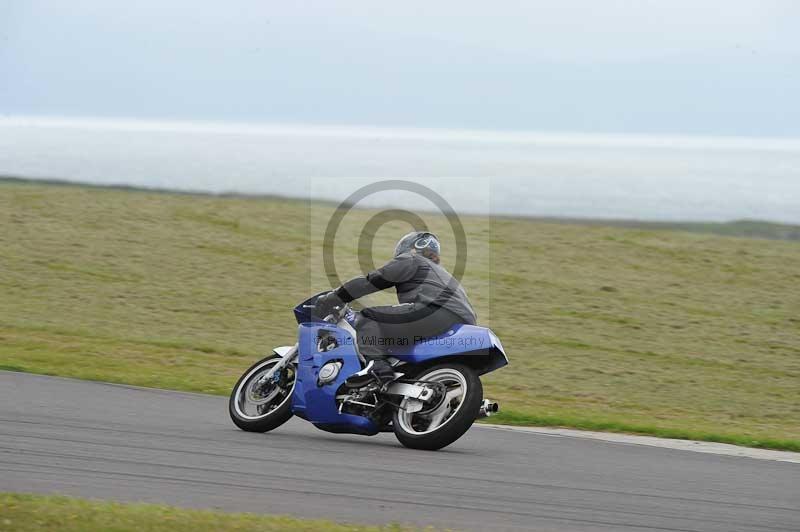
[[316, 403], [476, 346]]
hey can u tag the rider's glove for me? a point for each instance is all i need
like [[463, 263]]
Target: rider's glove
[[326, 303]]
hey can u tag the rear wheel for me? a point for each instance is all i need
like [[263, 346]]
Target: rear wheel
[[260, 404], [448, 415]]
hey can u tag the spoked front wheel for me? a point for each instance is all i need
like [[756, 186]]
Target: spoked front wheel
[[259, 402], [447, 416]]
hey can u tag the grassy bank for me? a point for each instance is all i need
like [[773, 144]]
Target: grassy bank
[[40, 513], [611, 328]]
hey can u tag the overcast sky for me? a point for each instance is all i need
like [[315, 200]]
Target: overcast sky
[[715, 67]]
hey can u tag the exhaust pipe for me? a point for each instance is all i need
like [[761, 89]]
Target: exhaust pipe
[[488, 408]]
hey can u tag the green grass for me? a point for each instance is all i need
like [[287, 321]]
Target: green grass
[[35, 513], [610, 328]]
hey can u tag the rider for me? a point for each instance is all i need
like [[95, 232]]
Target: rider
[[430, 302]]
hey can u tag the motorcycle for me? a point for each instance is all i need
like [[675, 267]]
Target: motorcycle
[[434, 398]]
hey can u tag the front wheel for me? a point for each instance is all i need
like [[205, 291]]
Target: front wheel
[[450, 413], [260, 404]]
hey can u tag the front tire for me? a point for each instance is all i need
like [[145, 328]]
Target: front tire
[[261, 408], [446, 422]]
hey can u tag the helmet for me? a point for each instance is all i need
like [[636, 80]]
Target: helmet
[[419, 240]]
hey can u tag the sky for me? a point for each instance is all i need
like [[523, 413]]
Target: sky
[[710, 67]]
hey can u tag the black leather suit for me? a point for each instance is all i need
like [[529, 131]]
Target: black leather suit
[[430, 302]]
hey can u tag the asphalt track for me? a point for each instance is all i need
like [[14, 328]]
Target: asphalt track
[[133, 444]]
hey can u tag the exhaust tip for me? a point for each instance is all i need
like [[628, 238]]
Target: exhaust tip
[[488, 408]]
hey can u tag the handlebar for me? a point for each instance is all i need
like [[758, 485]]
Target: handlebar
[[338, 312]]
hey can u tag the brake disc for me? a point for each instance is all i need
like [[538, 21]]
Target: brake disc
[[255, 392]]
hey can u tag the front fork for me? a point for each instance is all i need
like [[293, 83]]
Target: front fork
[[288, 355]]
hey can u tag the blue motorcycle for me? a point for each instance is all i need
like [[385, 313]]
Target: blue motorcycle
[[433, 400]]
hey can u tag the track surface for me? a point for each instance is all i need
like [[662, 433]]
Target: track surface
[[132, 444]]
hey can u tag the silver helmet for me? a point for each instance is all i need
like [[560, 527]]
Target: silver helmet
[[419, 240]]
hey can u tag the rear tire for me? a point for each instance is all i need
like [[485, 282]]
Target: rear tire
[[273, 416], [454, 426]]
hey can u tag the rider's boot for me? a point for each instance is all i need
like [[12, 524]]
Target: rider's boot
[[378, 370]]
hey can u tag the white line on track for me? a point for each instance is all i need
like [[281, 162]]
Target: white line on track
[[666, 443]]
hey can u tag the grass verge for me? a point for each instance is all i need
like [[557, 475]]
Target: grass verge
[[42, 513], [607, 328]]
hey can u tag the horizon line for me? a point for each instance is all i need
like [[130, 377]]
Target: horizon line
[[433, 134]]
